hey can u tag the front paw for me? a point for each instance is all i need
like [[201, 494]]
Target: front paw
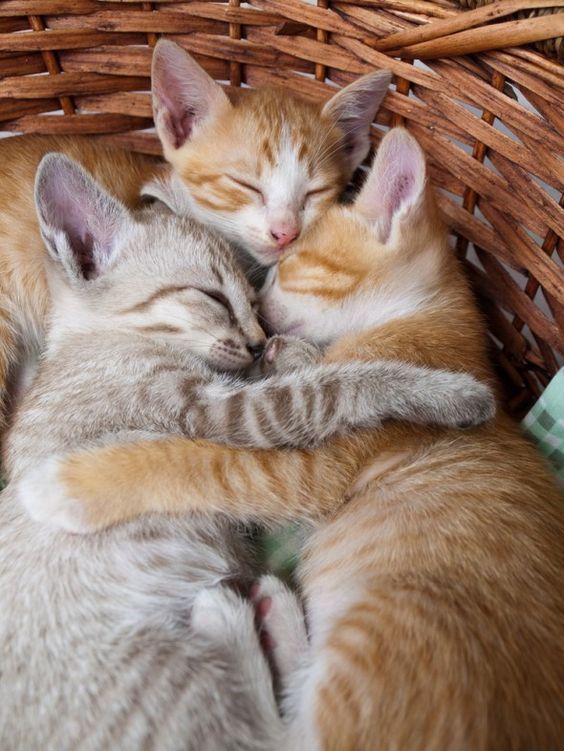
[[43, 496], [284, 354], [474, 403]]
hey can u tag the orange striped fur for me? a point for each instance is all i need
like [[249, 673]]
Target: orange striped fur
[[434, 595], [246, 139], [262, 167]]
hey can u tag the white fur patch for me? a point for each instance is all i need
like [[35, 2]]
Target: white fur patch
[[42, 495], [285, 624], [313, 318]]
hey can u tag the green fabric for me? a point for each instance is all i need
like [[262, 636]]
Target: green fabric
[[544, 424], [280, 549]]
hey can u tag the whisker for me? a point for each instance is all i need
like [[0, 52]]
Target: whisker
[[327, 147], [262, 319]]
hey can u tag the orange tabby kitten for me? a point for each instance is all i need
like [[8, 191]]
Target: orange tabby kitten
[[259, 170], [434, 596]]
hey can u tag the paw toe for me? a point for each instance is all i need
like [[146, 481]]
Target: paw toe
[[272, 349], [483, 409]]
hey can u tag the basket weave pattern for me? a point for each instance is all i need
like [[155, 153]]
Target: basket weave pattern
[[553, 47], [490, 122]]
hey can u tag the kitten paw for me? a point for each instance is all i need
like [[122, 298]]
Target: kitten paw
[[218, 612], [474, 405], [281, 623], [283, 354], [43, 497]]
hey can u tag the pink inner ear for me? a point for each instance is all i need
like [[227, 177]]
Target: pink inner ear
[[178, 126], [354, 109], [168, 91], [75, 215], [398, 190], [396, 180], [183, 93], [67, 198], [72, 204]]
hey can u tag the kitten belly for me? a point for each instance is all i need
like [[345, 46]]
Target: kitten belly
[[144, 572]]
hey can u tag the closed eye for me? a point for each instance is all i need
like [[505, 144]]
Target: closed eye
[[318, 191], [246, 186], [220, 298]]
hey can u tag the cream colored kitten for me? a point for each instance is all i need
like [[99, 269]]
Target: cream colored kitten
[[106, 642]]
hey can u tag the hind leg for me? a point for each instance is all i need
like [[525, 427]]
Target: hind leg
[[224, 623], [282, 625]]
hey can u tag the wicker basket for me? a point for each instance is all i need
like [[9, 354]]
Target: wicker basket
[[490, 116]]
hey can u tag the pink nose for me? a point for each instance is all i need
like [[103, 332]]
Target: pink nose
[[284, 235]]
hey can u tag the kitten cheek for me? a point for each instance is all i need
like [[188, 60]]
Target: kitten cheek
[[267, 257], [275, 315], [311, 212], [226, 355]]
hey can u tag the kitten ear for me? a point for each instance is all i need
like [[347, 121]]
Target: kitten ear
[[354, 108], [184, 95], [79, 221], [395, 183]]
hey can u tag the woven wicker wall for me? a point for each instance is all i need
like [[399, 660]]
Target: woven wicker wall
[[491, 122]]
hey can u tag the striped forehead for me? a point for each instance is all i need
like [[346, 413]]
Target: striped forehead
[[287, 172], [278, 140], [283, 126]]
